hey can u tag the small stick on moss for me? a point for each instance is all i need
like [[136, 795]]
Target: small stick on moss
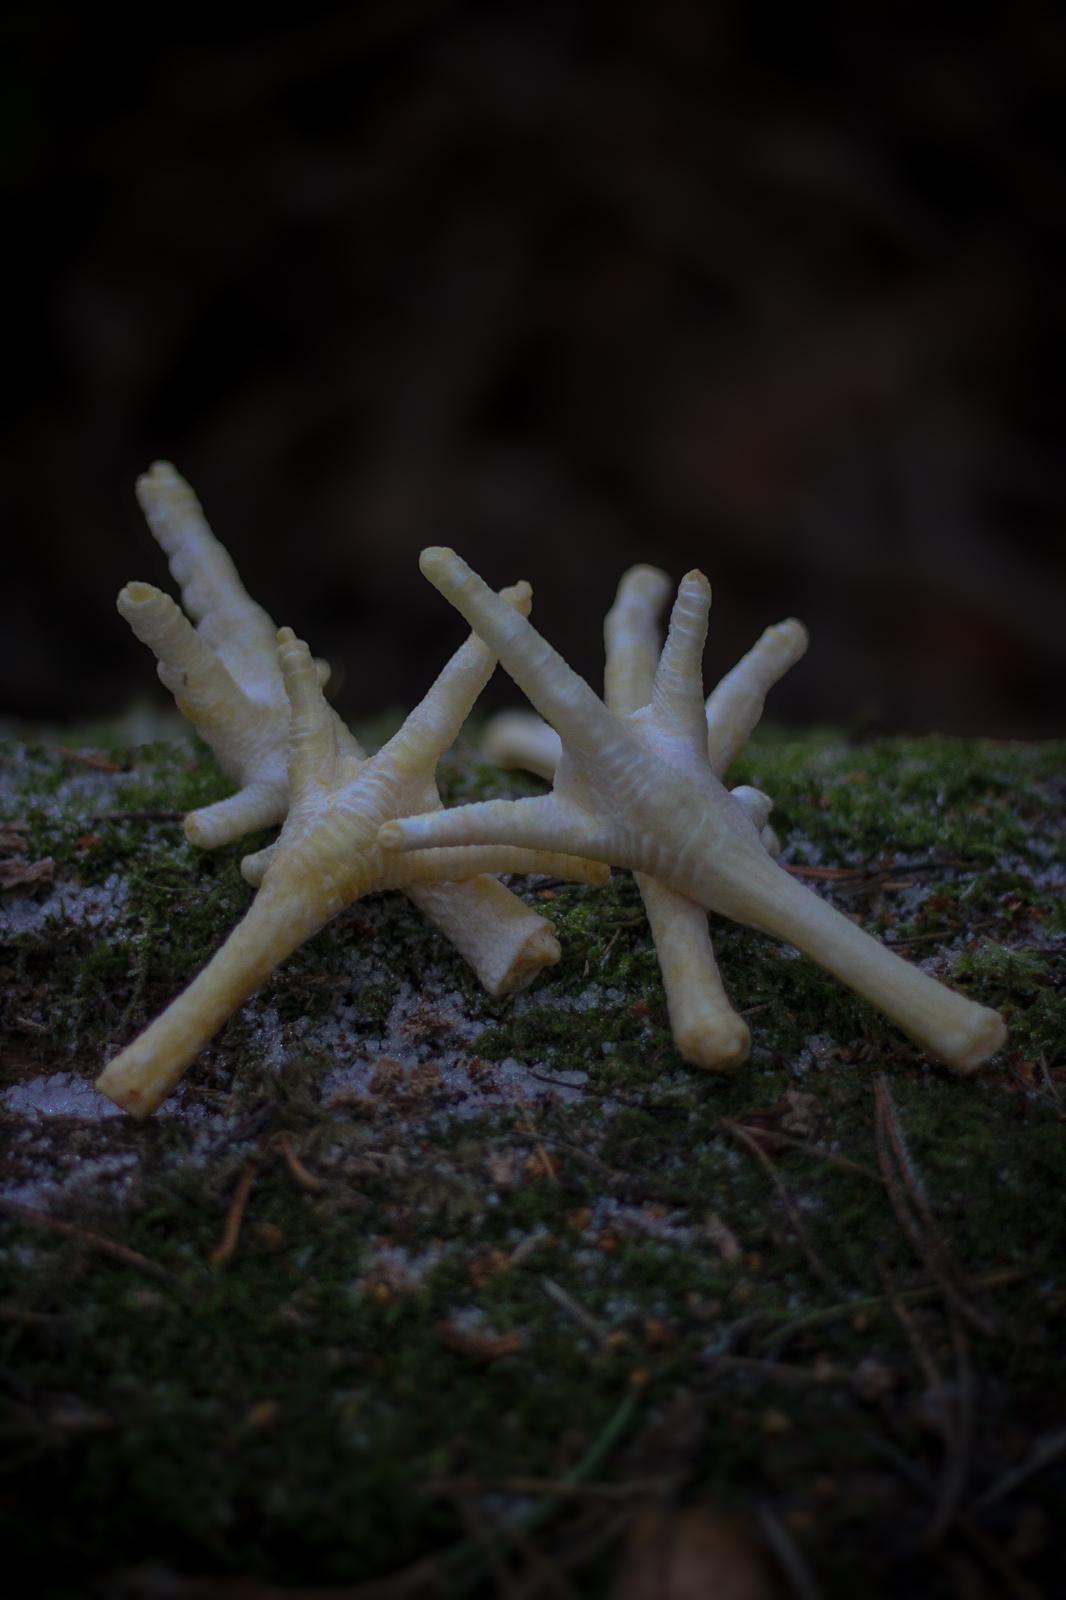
[[159, 1583], [1013, 1582], [86, 758], [956, 1409], [487, 1533], [912, 1209], [956, 1471], [632, 1489], [21, 1318], [146, 815], [870, 875], [541, 1572], [29, 1025], [932, 1374], [300, 1175], [948, 932], [95, 1241], [762, 1367], [835, 1160], [478, 1346], [464, 1564], [226, 1248], [558, 1082], [827, 874], [818, 1266], [576, 1311], [593, 1537], [547, 1165], [1044, 1452], [824, 1315], [785, 1551]]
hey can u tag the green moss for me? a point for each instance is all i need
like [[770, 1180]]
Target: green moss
[[285, 1415]]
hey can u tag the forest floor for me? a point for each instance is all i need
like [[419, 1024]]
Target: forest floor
[[411, 1291]]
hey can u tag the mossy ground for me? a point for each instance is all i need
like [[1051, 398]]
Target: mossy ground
[[533, 1230]]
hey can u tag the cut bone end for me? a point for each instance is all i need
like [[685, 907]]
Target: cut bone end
[[541, 949], [972, 1045], [716, 1046], [134, 1082], [135, 595], [157, 622], [152, 615]]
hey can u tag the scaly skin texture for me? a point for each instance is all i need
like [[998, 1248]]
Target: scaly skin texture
[[327, 856], [707, 1031], [217, 658], [226, 679], [639, 791]]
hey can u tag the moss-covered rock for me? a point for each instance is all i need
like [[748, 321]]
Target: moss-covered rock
[[486, 1237]]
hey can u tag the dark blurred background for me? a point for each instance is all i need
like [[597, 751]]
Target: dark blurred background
[[770, 291]]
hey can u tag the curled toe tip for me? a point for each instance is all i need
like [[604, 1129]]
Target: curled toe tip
[[293, 651], [161, 479], [195, 831], [520, 596], [158, 474], [438, 561], [649, 580]]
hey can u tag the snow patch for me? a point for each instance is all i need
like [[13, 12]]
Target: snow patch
[[60, 1094], [86, 906]]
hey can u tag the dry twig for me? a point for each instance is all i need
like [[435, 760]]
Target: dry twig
[[95, 1241], [1014, 1584], [226, 1248], [844, 1162], [916, 1218], [299, 1172], [818, 1266], [824, 1315], [1043, 1453], [912, 1209], [789, 1557], [576, 1311]]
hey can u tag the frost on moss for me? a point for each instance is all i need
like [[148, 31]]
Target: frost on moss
[[286, 1415]]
